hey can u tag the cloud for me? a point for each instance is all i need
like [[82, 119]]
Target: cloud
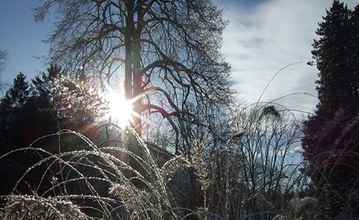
[[256, 42], [269, 35]]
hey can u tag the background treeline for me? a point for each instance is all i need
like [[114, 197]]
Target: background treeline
[[47, 104]]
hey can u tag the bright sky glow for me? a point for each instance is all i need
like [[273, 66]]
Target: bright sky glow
[[120, 109]]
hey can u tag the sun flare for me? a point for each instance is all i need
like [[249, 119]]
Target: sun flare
[[120, 109]]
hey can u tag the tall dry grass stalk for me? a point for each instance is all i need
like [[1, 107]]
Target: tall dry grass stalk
[[251, 176], [92, 183]]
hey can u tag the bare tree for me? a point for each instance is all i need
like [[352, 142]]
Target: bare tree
[[168, 49], [255, 174]]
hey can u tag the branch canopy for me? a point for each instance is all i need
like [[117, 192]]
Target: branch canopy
[[169, 44]]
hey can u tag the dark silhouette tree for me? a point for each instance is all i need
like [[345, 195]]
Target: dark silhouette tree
[[169, 51], [44, 84], [330, 136], [52, 103], [19, 93], [355, 48], [332, 53], [24, 116], [12, 135], [74, 102], [30, 111], [11, 104]]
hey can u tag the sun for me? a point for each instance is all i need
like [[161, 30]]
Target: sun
[[120, 109]]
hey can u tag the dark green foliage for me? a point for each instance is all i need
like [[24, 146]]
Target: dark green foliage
[[45, 83], [11, 106], [21, 123], [333, 55], [330, 136], [18, 94], [29, 111]]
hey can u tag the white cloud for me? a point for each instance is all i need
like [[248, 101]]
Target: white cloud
[[261, 40]]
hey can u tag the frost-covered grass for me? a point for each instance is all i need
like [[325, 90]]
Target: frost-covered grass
[[252, 177], [93, 183]]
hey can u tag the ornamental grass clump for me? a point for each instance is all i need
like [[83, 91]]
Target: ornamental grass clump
[[92, 183], [34, 207]]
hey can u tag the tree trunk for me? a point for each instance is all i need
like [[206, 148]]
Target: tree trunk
[[133, 75]]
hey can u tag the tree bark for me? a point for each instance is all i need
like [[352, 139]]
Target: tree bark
[[133, 76]]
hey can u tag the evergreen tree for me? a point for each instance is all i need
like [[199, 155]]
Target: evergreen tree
[[330, 135], [74, 102], [355, 48], [332, 52], [52, 103], [15, 98], [44, 84], [17, 95], [336, 88], [11, 135]]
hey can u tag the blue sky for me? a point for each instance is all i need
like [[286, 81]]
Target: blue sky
[[22, 38], [262, 37]]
